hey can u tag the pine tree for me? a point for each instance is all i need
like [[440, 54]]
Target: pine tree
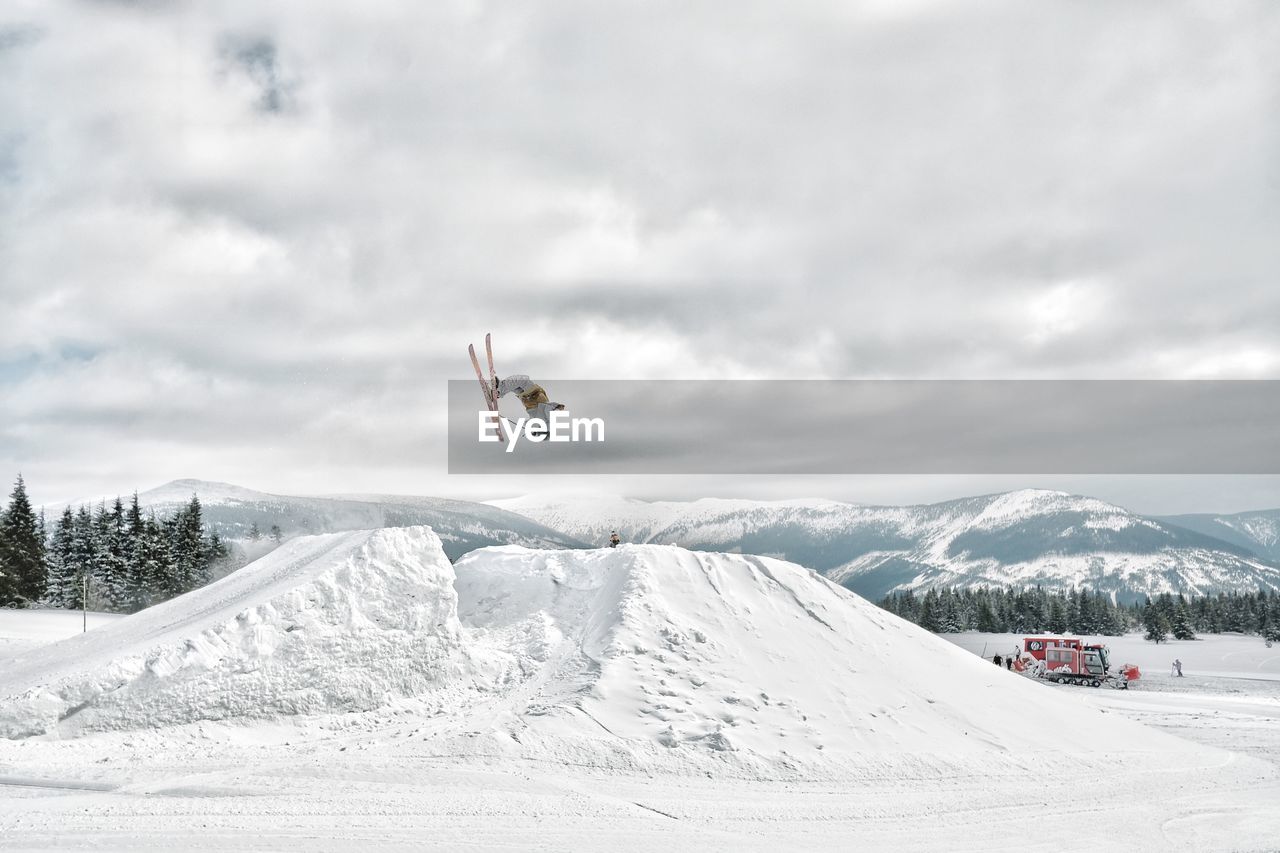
[[1057, 616], [254, 533], [137, 581], [215, 552], [1114, 621], [1084, 618], [99, 591], [1040, 609], [60, 589], [1154, 620], [986, 617], [276, 534], [189, 550], [1072, 606], [1216, 616], [997, 611], [1272, 630], [83, 556], [22, 568], [930, 618], [136, 592], [950, 619], [111, 564], [156, 561], [1182, 622]]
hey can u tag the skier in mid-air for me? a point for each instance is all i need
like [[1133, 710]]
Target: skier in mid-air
[[534, 397]]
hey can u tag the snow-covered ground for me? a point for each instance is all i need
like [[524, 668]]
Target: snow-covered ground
[[355, 690], [22, 630], [1228, 696], [1234, 656]]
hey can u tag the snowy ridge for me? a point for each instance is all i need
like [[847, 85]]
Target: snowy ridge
[[1265, 530], [1032, 536], [1191, 572], [1258, 530], [1016, 506], [178, 492], [592, 517], [174, 493]]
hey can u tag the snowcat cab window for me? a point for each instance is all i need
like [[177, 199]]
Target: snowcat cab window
[[1093, 662]]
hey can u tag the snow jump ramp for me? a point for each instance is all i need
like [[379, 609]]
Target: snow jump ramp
[[324, 623], [614, 655]]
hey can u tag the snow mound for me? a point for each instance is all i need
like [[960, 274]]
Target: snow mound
[[727, 653], [325, 623], [644, 657]]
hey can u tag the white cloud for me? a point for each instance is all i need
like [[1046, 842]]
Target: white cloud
[[311, 208], [1062, 310]]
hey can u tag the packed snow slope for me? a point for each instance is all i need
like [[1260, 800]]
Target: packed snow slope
[[750, 657], [324, 623], [232, 512], [1024, 538], [634, 657]]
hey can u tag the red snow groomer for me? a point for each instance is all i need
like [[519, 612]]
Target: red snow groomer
[[1069, 660]]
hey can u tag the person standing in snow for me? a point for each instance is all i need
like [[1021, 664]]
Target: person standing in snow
[[532, 395], [614, 539], [1177, 668]]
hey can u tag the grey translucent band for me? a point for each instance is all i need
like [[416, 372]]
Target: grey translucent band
[[888, 427]]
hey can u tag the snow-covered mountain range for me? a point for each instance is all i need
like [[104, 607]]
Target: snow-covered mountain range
[[232, 511], [1019, 538], [593, 517], [1257, 530]]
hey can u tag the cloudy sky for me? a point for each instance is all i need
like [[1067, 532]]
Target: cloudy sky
[[251, 243]]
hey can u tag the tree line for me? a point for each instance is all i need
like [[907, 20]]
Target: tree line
[[1039, 611], [112, 558]]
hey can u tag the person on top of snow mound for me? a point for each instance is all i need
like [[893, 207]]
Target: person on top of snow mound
[[534, 397]]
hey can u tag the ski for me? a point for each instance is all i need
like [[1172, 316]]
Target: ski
[[486, 387], [493, 375]]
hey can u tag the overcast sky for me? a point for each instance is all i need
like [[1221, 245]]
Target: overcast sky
[[251, 243]]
